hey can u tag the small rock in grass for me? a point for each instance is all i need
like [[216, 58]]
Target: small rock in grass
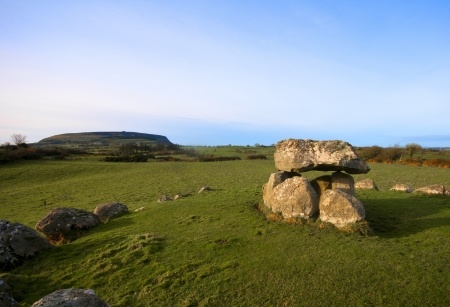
[[402, 188], [164, 198], [204, 188], [434, 189], [180, 195], [366, 184]]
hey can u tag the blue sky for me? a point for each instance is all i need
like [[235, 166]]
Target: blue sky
[[228, 72]]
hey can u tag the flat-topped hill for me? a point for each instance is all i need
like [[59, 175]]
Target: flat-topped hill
[[101, 138]]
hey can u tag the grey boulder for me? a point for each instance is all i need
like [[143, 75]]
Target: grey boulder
[[6, 299], [63, 225], [296, 155], [434, 189], [109, 211], [402, 188], [71, 298], [366, 184], [17, 243], [294, 197], [340, 209]]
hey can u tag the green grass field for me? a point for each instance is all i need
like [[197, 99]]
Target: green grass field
[[216, 249]]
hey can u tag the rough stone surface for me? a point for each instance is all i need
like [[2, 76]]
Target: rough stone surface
[[71, 298], [321, 184], [205, 188], [402, 188], [294, 197], [17, 243], [274, 180], [180, 195], [340, 208], [434, 189], [109, 211], [6, 299], [343, 182], [295, 155], [366, 184], [63, 225], [164, 198]]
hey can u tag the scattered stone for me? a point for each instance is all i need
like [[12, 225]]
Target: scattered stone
[[180, 195], [294, 197], [109, 211], [164, 198], [63, 225], [366, 184], [6, 299], [295, 155], [18, 243], [402, 188], [205, 188], [434, 189], [340, 208], [343, 182], [71, 298], [321, 184]]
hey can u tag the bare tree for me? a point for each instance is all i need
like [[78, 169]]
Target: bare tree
[[18, 139]]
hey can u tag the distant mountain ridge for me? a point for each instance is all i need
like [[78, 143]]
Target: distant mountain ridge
[[106, 137]]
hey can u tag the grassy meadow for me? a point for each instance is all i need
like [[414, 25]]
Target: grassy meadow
[[217, 249]]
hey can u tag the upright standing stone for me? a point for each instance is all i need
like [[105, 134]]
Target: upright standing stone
[[340, 208], [343, 182], [294, 197], [321, 184], [274, 180]]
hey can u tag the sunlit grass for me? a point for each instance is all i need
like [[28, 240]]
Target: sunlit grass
[[217, 249]]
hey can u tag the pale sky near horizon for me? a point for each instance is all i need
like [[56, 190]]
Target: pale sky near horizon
[[228, 72]]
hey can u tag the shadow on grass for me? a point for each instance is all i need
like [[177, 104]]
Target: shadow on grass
[[118, 222], [401, 216], [23, 285]]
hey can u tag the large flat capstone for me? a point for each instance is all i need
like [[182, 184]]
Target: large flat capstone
[[294, 155]]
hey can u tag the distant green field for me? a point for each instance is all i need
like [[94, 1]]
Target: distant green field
[[216, 249]]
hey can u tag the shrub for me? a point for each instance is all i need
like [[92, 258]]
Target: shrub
[[437, 163], [369, 152], [131, 158], [218, 158], [256, 157]]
